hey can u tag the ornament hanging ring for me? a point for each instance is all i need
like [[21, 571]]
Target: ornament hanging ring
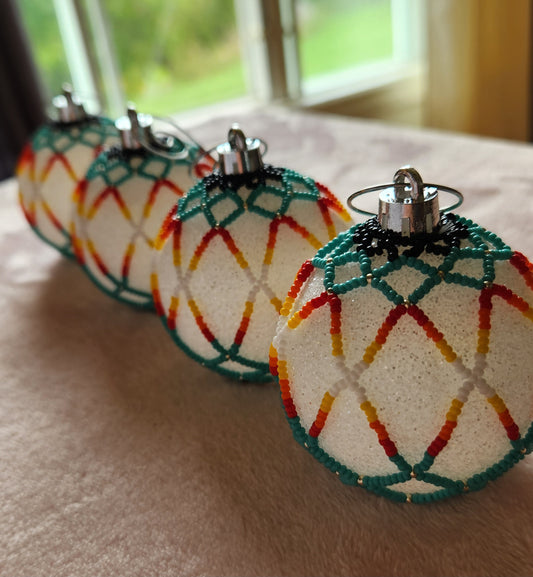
[[414, 180], [414, 188]]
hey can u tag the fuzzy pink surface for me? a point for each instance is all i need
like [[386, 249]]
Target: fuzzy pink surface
[[122, 456]]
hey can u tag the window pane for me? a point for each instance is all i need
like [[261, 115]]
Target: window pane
[[336, 35], [43, 31], [176, 54]]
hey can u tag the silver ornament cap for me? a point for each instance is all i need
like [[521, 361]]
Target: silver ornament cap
[[409, 206], [68, 106], [239, 154], [135, 129]]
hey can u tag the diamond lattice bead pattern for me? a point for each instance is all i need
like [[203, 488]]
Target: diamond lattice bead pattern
[[228, 258], [404, 364], [121, 206], [50, 168]]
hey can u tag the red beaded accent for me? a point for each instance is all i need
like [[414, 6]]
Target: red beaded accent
[[524, 267], [513, 432], [99, 262], [383, 332], [303, 274], [328, 200], [29, 212], [229, 242], [156, 295], [431, 331], [200, 249], [152, 195], [62, 159], [204, 167], [301, 230], [273, 360], [51, 215], [322, 415], [126, 263], [374, 423], [26, 161], [172, 313], [283, 378], [335, 307]]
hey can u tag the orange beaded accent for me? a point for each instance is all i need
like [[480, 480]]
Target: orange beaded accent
[[51, 215], [200, 321], [447, 429], [379, 428], [431, 331], [322, 415], [228, 240], [167, 228], [301, 230], [307, 309], [152, 197], [507, 421], [99, 263], [303, 274]]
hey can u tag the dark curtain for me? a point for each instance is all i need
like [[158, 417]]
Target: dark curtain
[[21, 97]]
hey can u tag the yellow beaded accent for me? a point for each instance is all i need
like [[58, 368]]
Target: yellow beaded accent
[[455, 410], [287, 306], [483, 341], [276, 303], [294, 321], [371, 351], [369, 410], [327, 402], [336, 345], [498, 404]]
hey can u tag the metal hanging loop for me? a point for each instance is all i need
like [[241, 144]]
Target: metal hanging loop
[[408, 205]]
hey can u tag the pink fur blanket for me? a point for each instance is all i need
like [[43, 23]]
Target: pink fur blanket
[[122, 456]]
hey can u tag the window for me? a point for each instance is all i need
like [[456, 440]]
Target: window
[[171, 55], [356, 33]]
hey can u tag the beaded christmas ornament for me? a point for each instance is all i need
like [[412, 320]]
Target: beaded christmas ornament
[[402, 351], [53, 163], [123, 201], [229, 254]]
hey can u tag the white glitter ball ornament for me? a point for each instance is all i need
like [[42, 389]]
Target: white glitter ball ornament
[[128, 192], [401, 351], [54, 162], [230, 253]]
